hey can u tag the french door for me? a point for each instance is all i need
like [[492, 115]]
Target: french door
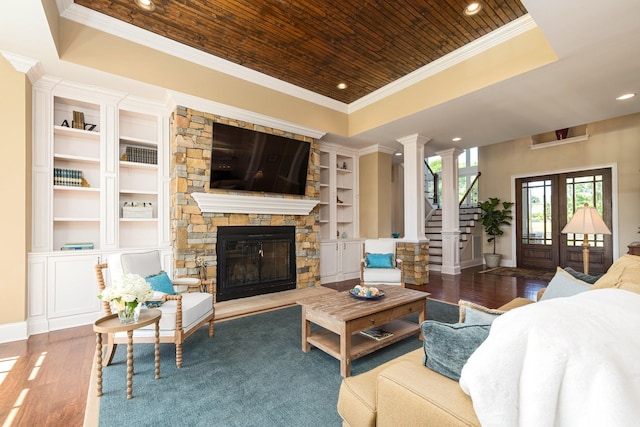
[[545, 204]]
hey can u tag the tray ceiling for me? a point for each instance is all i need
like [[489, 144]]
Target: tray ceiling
[[317, 44]]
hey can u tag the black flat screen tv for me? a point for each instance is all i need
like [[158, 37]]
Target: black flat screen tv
[[247, 160]]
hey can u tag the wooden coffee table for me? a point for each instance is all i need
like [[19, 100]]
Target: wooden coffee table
[[342, 316]]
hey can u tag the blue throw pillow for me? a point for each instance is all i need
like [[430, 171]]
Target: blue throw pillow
[[448, 346], [379, 260], [564, 284], [161, 283]]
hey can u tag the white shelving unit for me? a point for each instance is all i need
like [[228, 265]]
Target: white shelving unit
[[138, 181], [340, 247], [76, 209], [62, 288]]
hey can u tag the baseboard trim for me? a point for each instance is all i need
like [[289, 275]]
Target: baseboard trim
[[13, 332]]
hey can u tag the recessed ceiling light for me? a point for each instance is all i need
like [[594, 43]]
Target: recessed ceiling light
[[147, 5], [472, 8], [342, 86], [398, 153], [626, 96], [456, 139]]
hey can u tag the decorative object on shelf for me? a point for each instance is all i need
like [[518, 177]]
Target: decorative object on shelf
[[89, 126], [585, 221], [562, 133], [78, 120], [137, 210], [344, 234], [337, 233], [493, 217], [126, 294], [395, 235], [344, 165], [338, 200], [65, 124]]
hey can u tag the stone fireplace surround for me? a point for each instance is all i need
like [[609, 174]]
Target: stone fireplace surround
[[196, 211]]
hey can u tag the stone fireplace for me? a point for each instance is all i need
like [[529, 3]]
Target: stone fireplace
[[197, 213]]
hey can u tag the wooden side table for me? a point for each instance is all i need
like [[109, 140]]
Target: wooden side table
[[110, 325]]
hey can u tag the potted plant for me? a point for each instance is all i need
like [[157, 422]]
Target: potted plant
[[495, 214]]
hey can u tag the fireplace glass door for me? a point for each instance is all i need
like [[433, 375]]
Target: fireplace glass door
[[254, 261]]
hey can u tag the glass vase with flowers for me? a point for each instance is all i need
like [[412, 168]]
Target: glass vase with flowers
[[126, 294]]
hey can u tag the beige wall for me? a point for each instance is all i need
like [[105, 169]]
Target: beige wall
[[376, 199], [615, 141], [518, 55], [15, 188]]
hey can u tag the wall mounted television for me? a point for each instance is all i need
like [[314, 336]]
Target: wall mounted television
[[247, 160]]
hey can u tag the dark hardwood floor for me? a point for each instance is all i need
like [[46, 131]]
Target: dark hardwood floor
[[44, 380]]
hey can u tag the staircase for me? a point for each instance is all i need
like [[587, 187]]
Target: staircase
[[469, 218]]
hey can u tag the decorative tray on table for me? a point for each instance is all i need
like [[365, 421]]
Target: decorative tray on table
[[368, 293]]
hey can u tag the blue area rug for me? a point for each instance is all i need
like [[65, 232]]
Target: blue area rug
[[252, 373]]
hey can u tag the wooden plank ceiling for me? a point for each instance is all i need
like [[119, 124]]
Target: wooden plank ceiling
[[316, 44]]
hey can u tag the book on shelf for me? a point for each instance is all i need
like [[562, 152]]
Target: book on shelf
[[67, 177], [76, 246], [141, 155], [78, 120], [377, 334]]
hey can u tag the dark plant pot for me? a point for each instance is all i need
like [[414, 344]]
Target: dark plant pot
[[562, 133], [492, 260]]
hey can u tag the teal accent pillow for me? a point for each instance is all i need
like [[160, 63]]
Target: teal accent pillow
[[587, 278], [161, 283], [564, 284], [447, 347], [379, 260]]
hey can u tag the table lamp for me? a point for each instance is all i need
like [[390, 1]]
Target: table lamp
[[585, 221]]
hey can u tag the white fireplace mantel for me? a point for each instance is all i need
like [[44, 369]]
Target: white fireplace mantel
[[234, 203]]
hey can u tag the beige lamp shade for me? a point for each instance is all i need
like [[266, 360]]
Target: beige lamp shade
[[586, 221]]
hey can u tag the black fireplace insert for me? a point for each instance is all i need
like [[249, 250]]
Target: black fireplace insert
[[255, 260]]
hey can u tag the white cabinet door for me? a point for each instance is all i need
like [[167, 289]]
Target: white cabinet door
[[72, 294], [340, 260], [328, 262], [351, 256]]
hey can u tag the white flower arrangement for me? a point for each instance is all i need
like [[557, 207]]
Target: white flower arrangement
[[128, 288]]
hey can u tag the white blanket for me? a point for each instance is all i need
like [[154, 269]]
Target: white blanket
[[561, 362]]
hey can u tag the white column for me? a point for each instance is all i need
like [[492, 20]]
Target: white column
[[450, 211], [414, 211]]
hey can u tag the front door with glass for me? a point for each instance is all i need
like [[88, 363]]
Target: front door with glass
[[546, 204]]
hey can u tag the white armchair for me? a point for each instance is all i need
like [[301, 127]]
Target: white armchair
[[380, 266], [182, 313]]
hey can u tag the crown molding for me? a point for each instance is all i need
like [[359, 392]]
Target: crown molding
[[31, 67], [207, 106], [376, 149]]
